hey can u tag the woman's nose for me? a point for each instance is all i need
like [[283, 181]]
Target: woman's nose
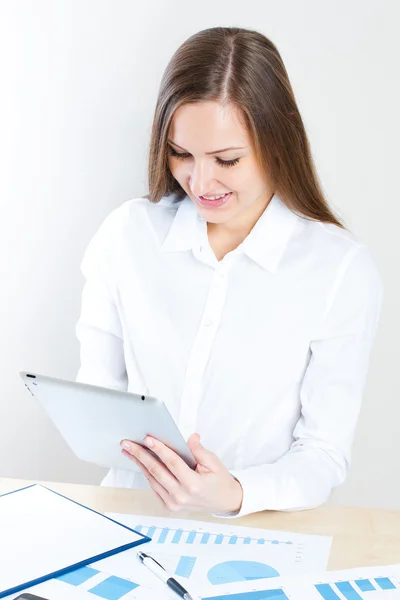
[[202, 179]]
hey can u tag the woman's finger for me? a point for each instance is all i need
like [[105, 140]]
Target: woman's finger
[[174, 463], [138, 463], [154, 484], [153, 466]]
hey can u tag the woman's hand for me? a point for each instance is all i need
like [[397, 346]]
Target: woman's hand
[[209, 487]]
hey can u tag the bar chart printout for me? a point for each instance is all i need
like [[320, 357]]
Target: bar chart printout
[[359, 589], [286, 553], [206, 556]]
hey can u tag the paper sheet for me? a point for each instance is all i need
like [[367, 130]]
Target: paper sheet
[[202, 556], [286, 553]]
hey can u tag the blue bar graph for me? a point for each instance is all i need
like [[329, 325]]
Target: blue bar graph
[[185, 566], [163, 535], [365, 585], [348, 591], [177, 536], [113, 588], [151, 532], [191, 537], [327, 592], [233, 539], [385, 583], [78, 576]]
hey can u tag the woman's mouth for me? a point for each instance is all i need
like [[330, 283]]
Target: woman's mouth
[[213, 203]]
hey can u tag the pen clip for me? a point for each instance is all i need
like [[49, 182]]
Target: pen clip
[[143, 555], [156, 561]]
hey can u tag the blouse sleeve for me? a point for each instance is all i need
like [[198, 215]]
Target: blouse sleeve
[[99, 329], [330, 396]]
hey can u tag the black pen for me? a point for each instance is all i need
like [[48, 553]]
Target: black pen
[[162, 574]]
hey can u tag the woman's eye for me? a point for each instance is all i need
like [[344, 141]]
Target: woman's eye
[[222, 163]]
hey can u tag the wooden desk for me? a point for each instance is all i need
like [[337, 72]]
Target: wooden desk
[[361, 536]]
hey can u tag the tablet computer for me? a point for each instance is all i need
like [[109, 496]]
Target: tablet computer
[[93, 420]]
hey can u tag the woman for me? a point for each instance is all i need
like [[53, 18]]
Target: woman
[[232, 292]]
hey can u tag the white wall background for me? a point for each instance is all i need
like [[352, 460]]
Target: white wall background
[[79, 80]]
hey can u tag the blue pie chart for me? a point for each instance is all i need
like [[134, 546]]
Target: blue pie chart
[[239, 570]]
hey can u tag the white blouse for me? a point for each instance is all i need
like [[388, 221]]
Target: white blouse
[[264, 353]]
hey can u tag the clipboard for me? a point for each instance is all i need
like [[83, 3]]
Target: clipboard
[[45, 535]]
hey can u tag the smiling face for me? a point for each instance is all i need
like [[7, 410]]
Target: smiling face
[[196, 132]]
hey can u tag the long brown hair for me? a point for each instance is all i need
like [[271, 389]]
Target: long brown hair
[[241, 68]]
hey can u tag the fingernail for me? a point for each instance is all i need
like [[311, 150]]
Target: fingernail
[[126, 445], [149, 442]]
